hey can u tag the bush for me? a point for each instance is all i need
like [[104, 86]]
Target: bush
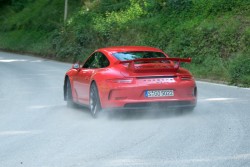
[[180, 5], [240, 69]]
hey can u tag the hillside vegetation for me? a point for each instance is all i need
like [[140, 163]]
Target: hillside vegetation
[[214, 33]]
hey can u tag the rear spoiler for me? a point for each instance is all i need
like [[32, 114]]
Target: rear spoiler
[[176, 67]]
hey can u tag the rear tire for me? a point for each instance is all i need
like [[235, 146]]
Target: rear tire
[[68, 97], [94, 101]]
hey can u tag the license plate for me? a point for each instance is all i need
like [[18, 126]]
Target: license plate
[[159, 93]]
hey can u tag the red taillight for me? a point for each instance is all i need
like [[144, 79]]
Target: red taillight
[[186, 77], [122, 80]]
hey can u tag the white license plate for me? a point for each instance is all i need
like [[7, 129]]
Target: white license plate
[[159, 93]]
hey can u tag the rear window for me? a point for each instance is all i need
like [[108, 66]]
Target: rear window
[[123, 56]]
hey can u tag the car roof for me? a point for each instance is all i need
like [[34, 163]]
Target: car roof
[[128, 48]]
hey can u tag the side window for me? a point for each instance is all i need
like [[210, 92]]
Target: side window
[[96, 60], [89, 61], [103, 61]]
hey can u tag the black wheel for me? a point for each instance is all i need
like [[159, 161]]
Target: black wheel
[[94, 101], [69, 94]]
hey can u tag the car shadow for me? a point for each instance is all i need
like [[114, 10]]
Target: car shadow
[[133, 114], [136, 114]]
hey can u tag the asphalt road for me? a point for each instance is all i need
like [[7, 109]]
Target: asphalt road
[[38, 130]]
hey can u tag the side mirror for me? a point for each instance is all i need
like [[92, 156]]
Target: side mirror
[[76, 66]]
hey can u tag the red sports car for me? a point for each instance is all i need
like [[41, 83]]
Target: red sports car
[[130, 77]]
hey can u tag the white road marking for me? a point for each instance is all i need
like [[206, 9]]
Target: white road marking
[[36, 61], [153, 162], [218, 99], [44, 106], [11, 133], [48, 70], [224, 85], [39, 107], [221, 99], [34, 74], [12, 60], [19, 60]]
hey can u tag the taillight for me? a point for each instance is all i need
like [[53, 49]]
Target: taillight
[[186, 77], [121, 80]]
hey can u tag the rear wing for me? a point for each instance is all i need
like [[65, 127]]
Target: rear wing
[[148, 60]]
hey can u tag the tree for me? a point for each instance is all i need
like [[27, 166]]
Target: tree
[[65, 10]]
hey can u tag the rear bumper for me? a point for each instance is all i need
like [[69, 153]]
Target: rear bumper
[[131, 96]]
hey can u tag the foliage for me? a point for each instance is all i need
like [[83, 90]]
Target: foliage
[[240, 69], [215, 33], [104, 23]]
